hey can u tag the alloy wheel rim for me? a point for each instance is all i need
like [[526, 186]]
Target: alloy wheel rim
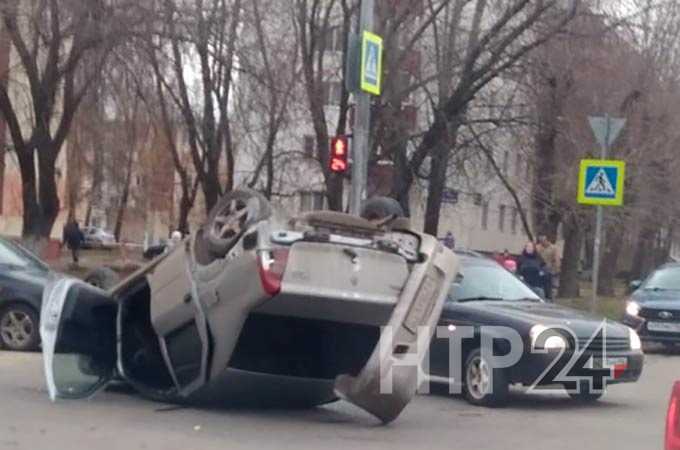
[[16, 328], [478, 378], [228, 222]]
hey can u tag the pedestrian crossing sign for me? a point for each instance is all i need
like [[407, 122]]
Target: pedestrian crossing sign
[[601, 182], [371, 63]]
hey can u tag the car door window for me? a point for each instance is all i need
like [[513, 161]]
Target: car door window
[[78, 329]]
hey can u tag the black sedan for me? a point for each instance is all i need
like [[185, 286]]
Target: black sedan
[[495, 331], [654, 307], [22, 279]]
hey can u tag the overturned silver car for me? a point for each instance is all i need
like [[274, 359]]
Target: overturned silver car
[[245, 310]]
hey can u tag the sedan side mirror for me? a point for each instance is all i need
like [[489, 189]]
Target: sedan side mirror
[[634, 285]]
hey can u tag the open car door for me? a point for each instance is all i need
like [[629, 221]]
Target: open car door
[[78, 332]]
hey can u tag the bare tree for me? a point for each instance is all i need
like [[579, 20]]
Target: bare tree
[[496, 38], [269, 64], [52, 39], [313, 21], [202, 33]]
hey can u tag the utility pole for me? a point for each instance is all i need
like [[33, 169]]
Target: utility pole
[[362, 124], [604, 151]]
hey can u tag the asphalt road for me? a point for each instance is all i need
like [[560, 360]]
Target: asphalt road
[[630, 417]]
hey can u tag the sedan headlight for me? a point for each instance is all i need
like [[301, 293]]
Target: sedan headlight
[[635, 342], [632, 309], [552, 342]]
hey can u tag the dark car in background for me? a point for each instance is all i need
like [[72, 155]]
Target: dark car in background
[[22, 279], [654, 306], [484, 294]]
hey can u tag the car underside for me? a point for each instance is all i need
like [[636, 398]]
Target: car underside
[[250, 307]]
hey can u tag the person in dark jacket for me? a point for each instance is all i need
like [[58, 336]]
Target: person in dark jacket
[[73, 238], [531, 268]]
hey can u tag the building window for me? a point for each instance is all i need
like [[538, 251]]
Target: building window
[[332, 92], [311, 201], [477, 199], [513, 224], [506, 162], [485, 215], [501, 218], [308, 145]]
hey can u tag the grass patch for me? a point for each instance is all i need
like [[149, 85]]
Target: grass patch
[[610, 307]]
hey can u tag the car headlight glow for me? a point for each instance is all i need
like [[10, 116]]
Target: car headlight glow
[[632, 309], [635, 342], [552, 342]]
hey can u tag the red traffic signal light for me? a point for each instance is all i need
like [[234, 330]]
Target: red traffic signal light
[[339, 154]]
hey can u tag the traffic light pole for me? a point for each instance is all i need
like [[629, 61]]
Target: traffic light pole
[[362, 125]]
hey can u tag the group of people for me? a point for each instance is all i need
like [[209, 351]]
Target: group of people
[[538, 265]]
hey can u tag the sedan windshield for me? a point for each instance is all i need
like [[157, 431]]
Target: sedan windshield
[[489, 282], [14, 255], [667, 279]]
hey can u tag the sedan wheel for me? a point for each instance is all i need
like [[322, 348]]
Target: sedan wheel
[[19, 328], [484, 386], [478, 378]]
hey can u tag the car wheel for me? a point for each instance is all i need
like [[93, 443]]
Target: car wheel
[[19, 328], [102, 277], [232, 215], [483, 385]]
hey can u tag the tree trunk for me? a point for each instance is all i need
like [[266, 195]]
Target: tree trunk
[[211, 188], [573, 239], [32, 214], [185, 205], [437, 179], [640, 267], [399, 190], [545, 167], [124, 199], [609, 263], [120, 216]]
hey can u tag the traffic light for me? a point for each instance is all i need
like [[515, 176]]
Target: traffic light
[[339, 154]]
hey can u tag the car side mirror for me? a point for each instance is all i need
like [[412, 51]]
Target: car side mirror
[[634, 285]]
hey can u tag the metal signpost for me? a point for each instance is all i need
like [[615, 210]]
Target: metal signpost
[[601, 183], [370, 80]]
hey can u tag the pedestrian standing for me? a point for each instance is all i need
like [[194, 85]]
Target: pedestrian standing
[[449, 241], [550, 254], [531, 268], [73, 238], [507, 261]]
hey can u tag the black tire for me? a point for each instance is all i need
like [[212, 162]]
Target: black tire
[[239, 209], [19, 328], [102, 277], [378, 208], [492, 394]]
